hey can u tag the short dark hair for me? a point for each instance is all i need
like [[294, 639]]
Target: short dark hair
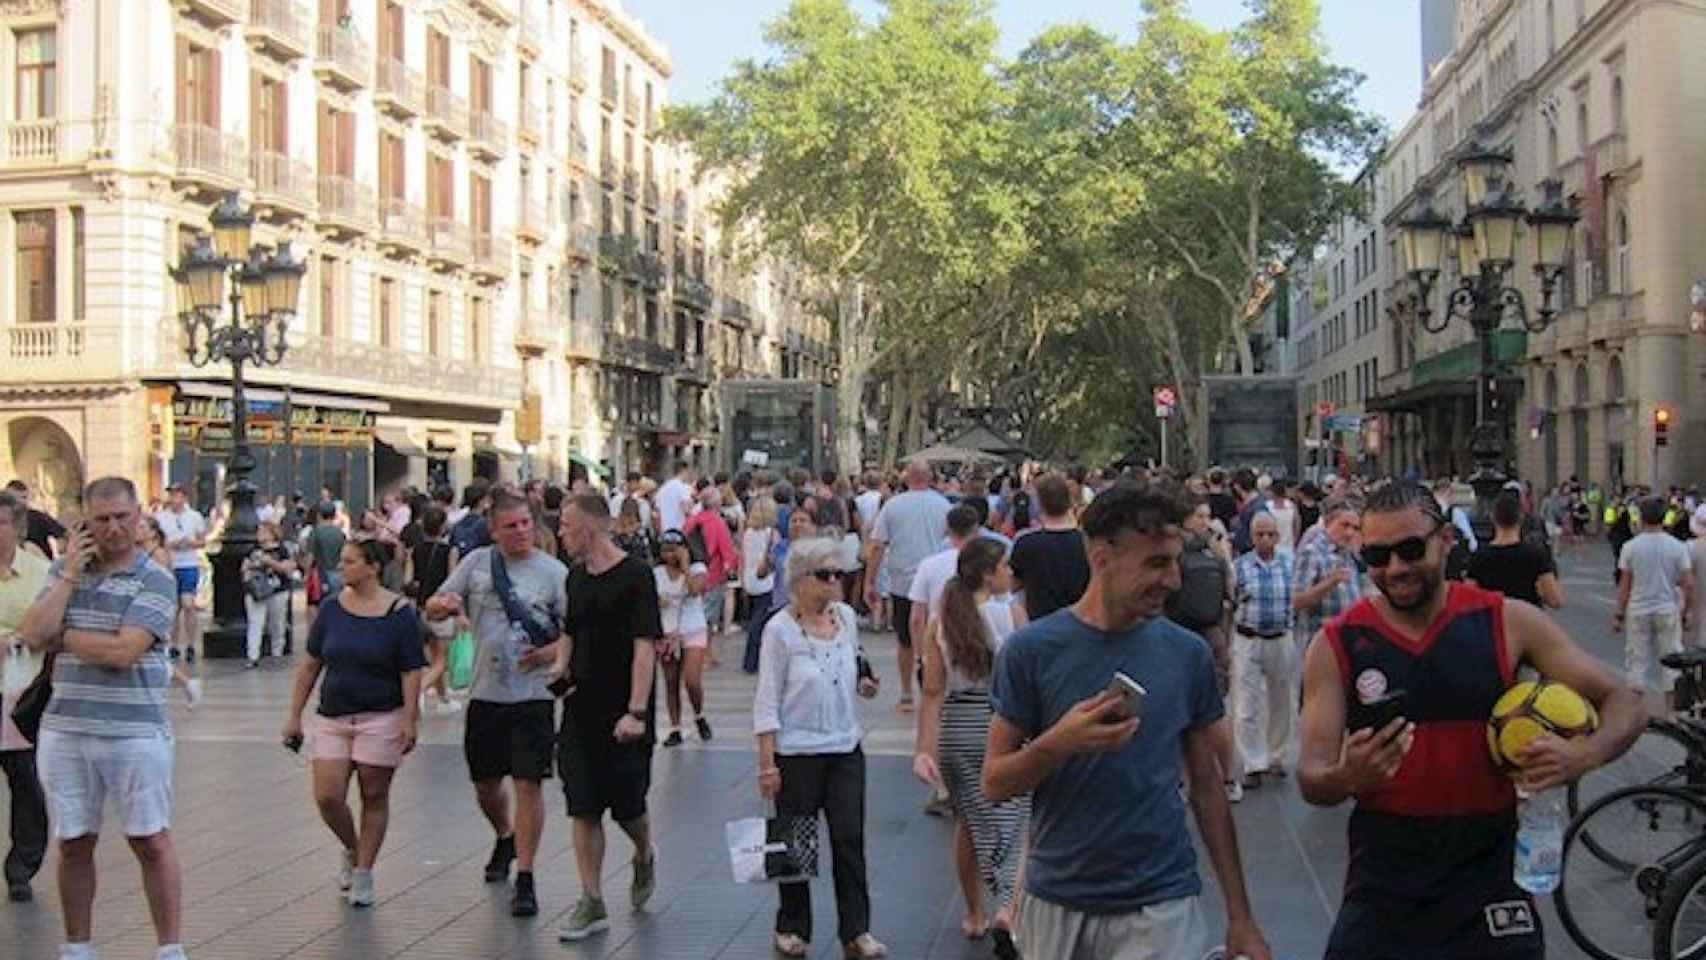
[[17, 486], [15, 506], [1054, 496], [108, 487], [1507, 508], [553, 497], [328, 510], [633, 476], [963, 520], [592, 505], [1154, 509], [979, 504], [1401, 495], [372, 552], [474, 492], [444, 493], [503, 500], [827, 477], [1652, 510], [432, 522], [1244, 479]]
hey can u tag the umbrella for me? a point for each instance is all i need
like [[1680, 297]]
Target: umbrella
[[941, 453]]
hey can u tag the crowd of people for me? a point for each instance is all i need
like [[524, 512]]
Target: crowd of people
[[1068, 645]]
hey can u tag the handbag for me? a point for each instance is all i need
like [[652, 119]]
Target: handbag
[[773, 849], [31, 702], [314, 586], [260, 583]]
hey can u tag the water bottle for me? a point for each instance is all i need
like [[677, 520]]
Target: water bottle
[[1540, 841]]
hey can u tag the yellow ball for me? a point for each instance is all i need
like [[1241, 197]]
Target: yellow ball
[[1533, 708]]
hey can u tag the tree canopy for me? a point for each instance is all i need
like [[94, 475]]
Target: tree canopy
[[1054, 234]]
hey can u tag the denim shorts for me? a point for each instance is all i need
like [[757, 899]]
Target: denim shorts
[[189, 579]]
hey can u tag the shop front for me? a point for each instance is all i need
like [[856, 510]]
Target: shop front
[[300, 442]]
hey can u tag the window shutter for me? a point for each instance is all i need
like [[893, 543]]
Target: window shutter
[[260, 126], [212, 84], [346, 143], [186, 83], [327, 157]]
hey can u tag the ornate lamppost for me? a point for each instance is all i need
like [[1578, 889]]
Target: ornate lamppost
[[242, 324], [1484, 245]]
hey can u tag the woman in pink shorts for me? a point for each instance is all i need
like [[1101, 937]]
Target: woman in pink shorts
[[365, 650], [681, 602]]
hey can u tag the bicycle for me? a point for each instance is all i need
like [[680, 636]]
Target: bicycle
[[1669, 752]]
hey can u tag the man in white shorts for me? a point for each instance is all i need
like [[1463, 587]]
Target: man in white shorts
[[1655, 600], [107, 611]]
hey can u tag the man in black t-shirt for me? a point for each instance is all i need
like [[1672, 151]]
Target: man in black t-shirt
[[604, 747], [1221, 505], [1050, 564]]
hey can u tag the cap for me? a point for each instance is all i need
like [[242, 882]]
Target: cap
[[673, 538]]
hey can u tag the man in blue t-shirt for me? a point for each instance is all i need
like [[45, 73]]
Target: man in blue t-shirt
[[1111, 872]]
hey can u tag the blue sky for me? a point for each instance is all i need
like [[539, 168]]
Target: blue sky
[[1380, 38]]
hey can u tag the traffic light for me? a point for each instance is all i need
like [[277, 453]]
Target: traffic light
[[1661, 427]]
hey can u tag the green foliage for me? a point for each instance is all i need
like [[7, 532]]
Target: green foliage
[[1062, 231]]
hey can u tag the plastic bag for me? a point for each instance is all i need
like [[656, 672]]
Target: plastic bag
[[459, 669]]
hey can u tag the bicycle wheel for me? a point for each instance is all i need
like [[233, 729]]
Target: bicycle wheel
[[1609, 894], [1679, 931], [1660, 757]]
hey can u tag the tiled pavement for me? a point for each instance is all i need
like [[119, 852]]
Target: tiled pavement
[[258, 864]]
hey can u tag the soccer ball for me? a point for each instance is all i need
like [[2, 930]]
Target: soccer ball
[[1530, 709]]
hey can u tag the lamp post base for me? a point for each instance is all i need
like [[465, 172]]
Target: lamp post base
[[1486, 445], [228, 632]]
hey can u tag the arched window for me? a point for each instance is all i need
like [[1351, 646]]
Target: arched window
[[1617, 105], [1614, 380], [1581, 384]]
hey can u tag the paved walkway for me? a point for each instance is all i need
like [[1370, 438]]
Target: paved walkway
[[258, 864]]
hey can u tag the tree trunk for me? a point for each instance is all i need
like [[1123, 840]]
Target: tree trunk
[[913, 439], [855, 341], [899, 392]]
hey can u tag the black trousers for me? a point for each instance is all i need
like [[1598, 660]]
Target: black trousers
[[835, 784], [29, 816]]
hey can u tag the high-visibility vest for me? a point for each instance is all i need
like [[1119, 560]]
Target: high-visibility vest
[[1670, 517], [1611, 515]]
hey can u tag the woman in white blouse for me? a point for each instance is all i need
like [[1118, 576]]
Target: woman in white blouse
[[809, 759]]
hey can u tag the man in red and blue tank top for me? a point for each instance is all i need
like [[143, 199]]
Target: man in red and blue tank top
[[1433, 834]]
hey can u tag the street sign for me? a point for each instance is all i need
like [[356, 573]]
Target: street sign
[[1165, 400]]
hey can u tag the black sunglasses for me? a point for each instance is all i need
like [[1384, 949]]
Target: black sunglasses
[[826, 576], [1409, 550]]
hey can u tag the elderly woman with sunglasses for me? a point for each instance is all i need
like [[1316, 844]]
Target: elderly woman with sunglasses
[[809, 758]]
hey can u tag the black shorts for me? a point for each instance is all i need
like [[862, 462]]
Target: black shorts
[[600, 774], [509, 739], [901, 615]]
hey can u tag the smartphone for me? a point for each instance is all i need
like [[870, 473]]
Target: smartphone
[[1131, 694], [1379, 712]]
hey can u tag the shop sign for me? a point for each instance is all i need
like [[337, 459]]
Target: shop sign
[[301, 415]]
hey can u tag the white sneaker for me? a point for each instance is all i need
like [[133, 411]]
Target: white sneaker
[[77, 951], [192, 692], [346, 872], [172, 951], [1234, 792], [448, 706], [361, 890]]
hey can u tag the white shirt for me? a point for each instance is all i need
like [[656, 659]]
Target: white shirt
[[644, 507], [754, 546], [806, 686], [932, 578], [1285, 519], [681, 613], [674, 503], [187, 525], [868, 504]]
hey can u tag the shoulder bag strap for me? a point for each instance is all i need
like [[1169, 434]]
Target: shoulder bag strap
[[513, 607]]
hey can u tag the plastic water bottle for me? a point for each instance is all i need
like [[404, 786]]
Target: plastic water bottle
[[1540, 841]]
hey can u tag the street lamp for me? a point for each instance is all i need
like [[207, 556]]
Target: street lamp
[[1485, 245], [261, 295]]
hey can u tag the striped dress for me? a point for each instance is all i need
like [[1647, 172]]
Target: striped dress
[[997, 829]]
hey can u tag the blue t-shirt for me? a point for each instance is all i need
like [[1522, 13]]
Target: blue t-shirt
[[1108, 830], [365, 657]]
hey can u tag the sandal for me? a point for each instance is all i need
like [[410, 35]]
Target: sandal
[[790, 945], [1005, 948], [866, 947]]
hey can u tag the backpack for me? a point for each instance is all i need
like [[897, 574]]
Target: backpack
[[1200, 602]]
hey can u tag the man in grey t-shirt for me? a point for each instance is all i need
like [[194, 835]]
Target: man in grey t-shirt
[[1655, 599], [511, 719], [909, 528], [107, 611]]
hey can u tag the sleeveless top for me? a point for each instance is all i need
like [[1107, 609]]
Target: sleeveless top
[[1431, 850], [998, 626]]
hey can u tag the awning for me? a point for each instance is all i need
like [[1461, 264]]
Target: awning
[[592, 466], [222, 391], [440, 441], [484, 443], [399, 440]]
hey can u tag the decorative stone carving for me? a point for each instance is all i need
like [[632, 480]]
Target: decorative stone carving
[[29, 8]]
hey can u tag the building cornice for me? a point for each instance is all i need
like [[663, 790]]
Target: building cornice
[[629, 33]]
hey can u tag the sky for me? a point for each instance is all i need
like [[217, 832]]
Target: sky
[[1379, 38]]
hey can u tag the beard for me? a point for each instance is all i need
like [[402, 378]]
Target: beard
[[1427, 582]]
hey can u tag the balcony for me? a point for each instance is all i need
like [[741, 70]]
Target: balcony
[[39, 142], [284, 186], [618, 254], [637, 352], [487, 135], [649, 266], [449, 242], [41, 351], [493, 254], [215, 13], [580, 244], [398, 89], [280, 28], [532, 122], [537, 332], [694, 366], [529, 35], [582, 342], [580, 153], [1612, 151], [737, 310], [631, 108], [402, 225], [324, 362], [346, 205], [342, 59], [531, 222], [607, 172], [503, 11], [208, 158], [446, 113]]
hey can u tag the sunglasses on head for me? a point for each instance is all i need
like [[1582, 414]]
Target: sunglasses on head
[[826, 576], [1409, 550]]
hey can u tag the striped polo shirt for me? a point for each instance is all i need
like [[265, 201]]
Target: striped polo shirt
[[116, 702]]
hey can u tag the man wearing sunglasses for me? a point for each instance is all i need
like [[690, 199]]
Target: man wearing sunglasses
[[1434, 830]]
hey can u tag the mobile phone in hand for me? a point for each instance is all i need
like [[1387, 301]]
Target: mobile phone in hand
[[1379, 712], [1131, 694]]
